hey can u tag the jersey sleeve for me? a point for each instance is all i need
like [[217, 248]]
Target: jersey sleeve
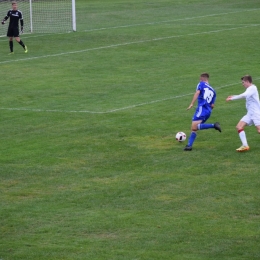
[[247, 93], [7, 16], [20, 15], [21, 18], [199, 86]]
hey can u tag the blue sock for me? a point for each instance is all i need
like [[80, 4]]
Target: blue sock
[[205, 126], [192, 138]]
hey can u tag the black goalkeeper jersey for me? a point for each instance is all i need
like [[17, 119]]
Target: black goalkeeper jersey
[[14, 16]]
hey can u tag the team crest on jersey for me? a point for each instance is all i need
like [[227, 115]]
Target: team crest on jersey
[[16, 14]]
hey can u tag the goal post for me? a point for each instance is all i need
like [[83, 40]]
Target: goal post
[[43, 16], [74, 25]]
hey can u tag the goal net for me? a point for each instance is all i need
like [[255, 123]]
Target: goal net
[[42, 16]]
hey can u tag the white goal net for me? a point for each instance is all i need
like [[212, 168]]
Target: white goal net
[[42, 16]]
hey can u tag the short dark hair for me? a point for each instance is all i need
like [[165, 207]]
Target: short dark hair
[[14, 3], [247, 78], [204, 75]]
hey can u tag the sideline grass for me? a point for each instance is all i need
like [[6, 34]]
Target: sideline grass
[[117, 185]]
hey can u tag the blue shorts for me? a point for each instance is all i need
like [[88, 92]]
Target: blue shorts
[[201, 113]]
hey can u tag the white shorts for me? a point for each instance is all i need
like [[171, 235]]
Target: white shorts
[[251, 120]]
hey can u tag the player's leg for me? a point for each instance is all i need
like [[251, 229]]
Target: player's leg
[[204, 126], [208, 126], [194, 128], [198, 123], [18, 39], [11, 45], [256, 121], [241, 132], [10, 35], [258, 128], [197, 119], [193, 134]]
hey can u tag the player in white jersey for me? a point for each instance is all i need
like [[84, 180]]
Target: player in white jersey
[[253, 110]]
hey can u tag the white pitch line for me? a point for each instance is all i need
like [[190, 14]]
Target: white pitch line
[[112, 110], [165, 99], [142, 24], [126, 44], [168, 21], [52, 110], [219, 24]]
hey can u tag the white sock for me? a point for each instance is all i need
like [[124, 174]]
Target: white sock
[[242, 136]]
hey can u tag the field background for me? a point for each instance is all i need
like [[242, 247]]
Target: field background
[[89, 165]]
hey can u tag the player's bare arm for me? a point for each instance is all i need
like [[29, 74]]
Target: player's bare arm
[[195, 97]]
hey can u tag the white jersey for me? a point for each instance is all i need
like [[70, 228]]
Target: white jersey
[[252, 100]]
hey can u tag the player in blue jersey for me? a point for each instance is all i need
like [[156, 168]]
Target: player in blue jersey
[[206, 97]]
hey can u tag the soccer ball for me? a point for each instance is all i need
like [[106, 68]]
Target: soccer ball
[[180, 136]]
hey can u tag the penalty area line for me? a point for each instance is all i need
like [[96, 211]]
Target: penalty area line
[[111, 110], [29, 35], [168, 21], [94, 112], [128, 43]]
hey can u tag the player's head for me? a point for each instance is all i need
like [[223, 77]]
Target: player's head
[[247, 80], [14, 5], [204, 76]]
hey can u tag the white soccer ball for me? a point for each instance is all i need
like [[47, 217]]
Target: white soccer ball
[[180, 136]]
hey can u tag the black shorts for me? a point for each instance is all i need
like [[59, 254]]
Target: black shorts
[[13, 32]]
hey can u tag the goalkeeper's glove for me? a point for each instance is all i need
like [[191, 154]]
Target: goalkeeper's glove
[[3, 22], [21, 29]]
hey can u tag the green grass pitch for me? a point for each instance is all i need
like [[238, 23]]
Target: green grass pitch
[[89, 165]]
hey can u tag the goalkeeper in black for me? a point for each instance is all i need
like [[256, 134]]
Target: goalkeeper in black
[[13, 30]]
